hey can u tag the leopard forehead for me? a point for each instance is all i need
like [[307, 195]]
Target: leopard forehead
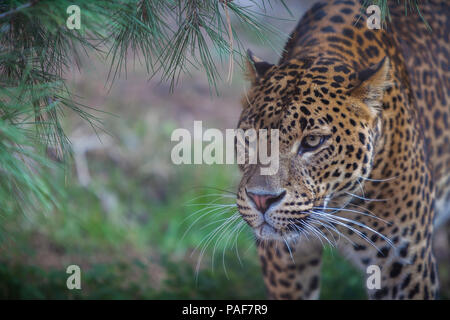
[[302, 95]]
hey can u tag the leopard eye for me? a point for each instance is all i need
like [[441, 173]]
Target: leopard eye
[[311, 143]]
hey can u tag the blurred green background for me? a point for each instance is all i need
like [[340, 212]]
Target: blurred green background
[[128, 214]]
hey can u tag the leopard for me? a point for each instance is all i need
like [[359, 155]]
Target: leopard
[[364, 153]]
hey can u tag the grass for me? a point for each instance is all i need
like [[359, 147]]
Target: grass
[[127, 231], [126, 227], [133, 247]]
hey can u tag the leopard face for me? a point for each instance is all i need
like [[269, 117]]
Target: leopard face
[[328, 121]]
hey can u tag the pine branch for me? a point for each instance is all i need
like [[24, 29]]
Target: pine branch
[[21, 7], [411, 5], [171, 36]]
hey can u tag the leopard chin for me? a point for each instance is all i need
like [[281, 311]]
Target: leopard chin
[[266, 232]]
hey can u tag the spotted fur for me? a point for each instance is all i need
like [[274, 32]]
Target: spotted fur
[[380, 97]]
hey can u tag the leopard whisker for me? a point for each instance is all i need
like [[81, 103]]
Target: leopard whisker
[[313, 231], [378, 180], [361, 225], [327, 227], [300, 232], [324, 236], [203, 250], [218, 239], [339, 220], [364, 198], [217, 189], [210, 237], [289, 248], [303, 232], [219, 195], [349, 202], [340, 234], [297, 230], [315, 234], [361, 207], [235, 233], [214, 210], [235, 241], [212, 205], [331, 199], [214, 222], [208, 205], [359, 233], [352, 211], [254, 241], [216, 230], [362, 189]]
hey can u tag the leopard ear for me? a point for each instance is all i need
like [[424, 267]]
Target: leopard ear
[[256, 68], [372, 83]]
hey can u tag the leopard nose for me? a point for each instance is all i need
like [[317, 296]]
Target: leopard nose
[[263, 201]]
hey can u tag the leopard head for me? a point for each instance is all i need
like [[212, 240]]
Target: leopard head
[[328, 119]]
